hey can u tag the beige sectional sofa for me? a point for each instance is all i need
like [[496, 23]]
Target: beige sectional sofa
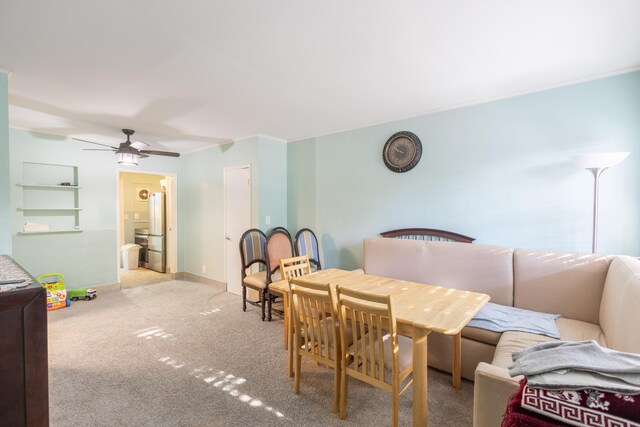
[[598, 297]]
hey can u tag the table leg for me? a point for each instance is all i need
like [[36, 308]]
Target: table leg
[[457, 361], [288, 344], [420, 383], [285, 300]]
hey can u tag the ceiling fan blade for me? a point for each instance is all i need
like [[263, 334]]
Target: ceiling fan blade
[[99, 149], [96, 143], [139, 145], [160, 153], [142, 156]]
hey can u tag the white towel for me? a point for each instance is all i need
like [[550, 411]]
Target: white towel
[[32, 227]]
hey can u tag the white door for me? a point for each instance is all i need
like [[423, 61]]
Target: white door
[[237, 214]]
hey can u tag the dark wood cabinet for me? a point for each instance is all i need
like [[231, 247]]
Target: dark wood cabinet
[[24, 379]]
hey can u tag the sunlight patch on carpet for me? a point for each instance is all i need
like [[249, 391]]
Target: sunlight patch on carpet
[[149, 333], [223, 381]]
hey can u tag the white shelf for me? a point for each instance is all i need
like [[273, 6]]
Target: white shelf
[[24, 233], [65, 187], [49, 209], [45, 201]]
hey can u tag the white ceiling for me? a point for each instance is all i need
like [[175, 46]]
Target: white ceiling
[[187, 74]]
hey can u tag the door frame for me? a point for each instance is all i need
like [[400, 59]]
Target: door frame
[[172, 252], [224, 230]]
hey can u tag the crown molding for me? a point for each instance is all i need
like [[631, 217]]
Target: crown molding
[[273, 138]]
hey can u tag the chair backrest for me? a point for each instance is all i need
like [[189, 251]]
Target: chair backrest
[[280, 229], [307, 244], [314, 335], [252, 245], [372, 317], [294, 267], [277, 246]]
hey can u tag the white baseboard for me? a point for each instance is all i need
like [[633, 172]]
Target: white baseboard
[[191, 277]]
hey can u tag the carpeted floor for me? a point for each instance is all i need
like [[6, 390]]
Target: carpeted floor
[[141, 276], [184, 354]]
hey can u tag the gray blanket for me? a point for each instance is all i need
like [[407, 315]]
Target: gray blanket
[[576, 365], [500, 318]]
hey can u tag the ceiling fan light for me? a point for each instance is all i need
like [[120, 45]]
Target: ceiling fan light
[[127, 159]]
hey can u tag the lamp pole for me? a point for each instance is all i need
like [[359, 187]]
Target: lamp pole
[[597, 163], [596, 179]]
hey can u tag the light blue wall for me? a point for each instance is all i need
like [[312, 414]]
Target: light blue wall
[[90, 257], [203, 193], [301, 168], [203, 198], [272, 183], [497, 171], [5, 204]]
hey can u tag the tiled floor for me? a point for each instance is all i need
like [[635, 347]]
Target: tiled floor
[[140, 277]]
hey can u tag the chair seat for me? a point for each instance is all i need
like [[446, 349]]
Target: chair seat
[[256, 280], [405, 351]]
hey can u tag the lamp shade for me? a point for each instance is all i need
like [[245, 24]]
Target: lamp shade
[[127, 159], [599, 160]]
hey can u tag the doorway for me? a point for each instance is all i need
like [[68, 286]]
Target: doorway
[[237, 220], [147, 243]]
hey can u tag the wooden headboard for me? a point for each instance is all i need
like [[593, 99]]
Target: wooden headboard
[[430, 234]]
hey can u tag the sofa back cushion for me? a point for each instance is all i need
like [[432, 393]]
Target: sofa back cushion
[[477, 268], [563, 283], [620, 311]]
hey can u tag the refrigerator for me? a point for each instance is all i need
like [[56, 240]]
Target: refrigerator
[[157, 234]]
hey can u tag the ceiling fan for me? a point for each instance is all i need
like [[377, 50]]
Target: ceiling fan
[[129, 152]]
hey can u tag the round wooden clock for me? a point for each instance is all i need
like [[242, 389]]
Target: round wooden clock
[[402, 151]]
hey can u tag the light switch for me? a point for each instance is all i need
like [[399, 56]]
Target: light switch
[[136, 215], [267, 220]]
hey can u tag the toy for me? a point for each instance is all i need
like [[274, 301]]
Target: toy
[[85, 293], [56, 293]]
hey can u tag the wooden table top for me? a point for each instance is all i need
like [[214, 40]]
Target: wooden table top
[[439, 309]]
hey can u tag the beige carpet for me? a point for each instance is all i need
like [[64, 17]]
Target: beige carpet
[[141, 276], [184, 354]]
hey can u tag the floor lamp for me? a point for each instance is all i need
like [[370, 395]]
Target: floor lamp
[[597, 163]]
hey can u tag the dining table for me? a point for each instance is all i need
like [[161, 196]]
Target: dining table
[[420, 309]]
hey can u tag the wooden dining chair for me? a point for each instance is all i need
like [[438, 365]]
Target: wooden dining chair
[[316, 335], [379, 352], [252, 245], [276, 247], [291, 268], [306, 243]]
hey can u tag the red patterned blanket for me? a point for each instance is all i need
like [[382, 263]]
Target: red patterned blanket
[[533, 407]]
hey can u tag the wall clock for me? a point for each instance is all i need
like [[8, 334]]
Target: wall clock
[[142, 194], [402, 151]]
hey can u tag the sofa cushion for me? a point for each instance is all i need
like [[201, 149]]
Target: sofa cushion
[[512, 342], [619, 310], [470, 267], [440, 351], [570, 330], [482, 335], [559, 282], [575, 330]]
